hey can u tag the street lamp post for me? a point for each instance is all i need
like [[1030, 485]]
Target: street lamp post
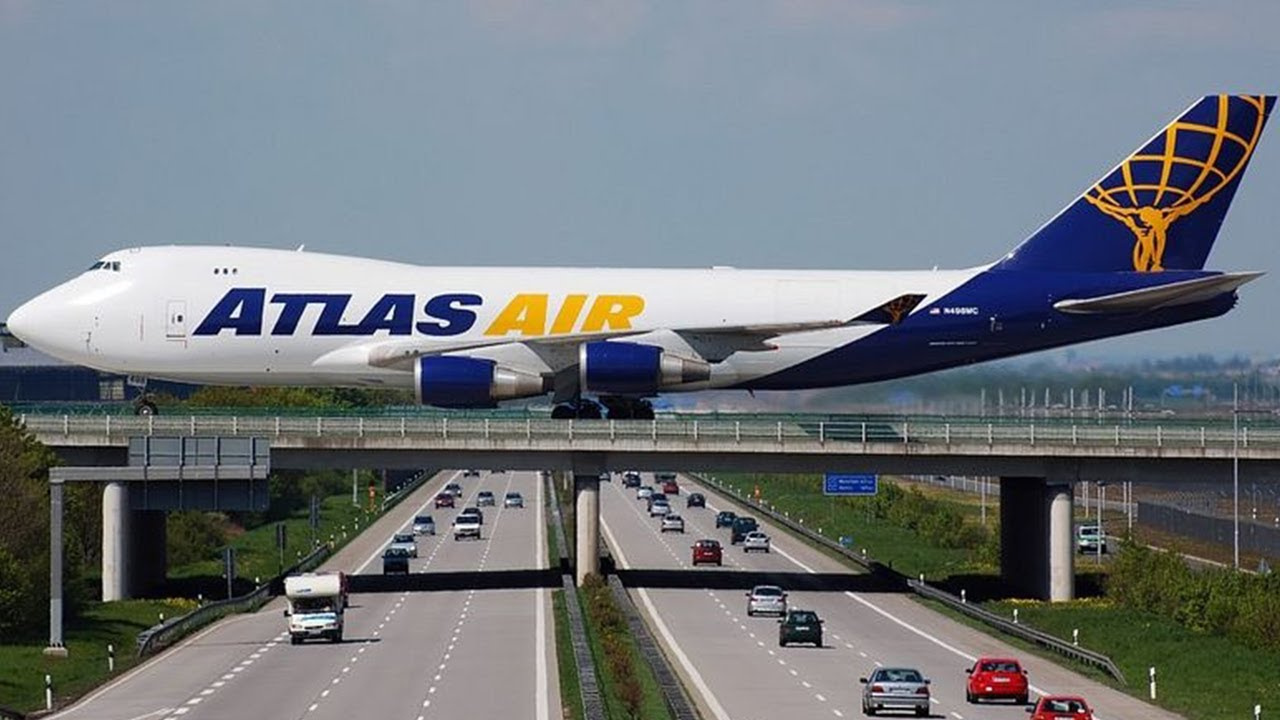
[[1235, 475]]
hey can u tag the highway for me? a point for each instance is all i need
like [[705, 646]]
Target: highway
[[443, 654], [733, 665]]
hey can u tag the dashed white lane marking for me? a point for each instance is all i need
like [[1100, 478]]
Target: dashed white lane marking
[[837, 713], [821, 697], [957, 715], [806, 684]]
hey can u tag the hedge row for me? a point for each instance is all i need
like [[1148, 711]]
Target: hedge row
[[1243, 607], [611, 628]]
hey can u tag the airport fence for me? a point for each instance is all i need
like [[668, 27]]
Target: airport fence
[[1255, 538]]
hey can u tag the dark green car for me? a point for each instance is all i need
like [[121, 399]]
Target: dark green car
[[800, 626]]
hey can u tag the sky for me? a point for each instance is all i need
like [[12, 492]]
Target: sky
[[822, 134]]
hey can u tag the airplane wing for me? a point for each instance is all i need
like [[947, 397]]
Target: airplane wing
[[1160, 296], [558, 351]]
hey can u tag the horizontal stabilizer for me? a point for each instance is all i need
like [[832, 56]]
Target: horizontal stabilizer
[[1160, 296]]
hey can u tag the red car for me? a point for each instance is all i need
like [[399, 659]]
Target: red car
[[707, 551], [670, 488], [994, 678], [1061, 707], [444, 500]]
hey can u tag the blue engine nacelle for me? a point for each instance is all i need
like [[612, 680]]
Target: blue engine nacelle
[[450, 381], [624, 368]]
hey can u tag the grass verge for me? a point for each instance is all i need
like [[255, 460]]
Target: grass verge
[[627, 684], [570, 687], [23, 667], [1202, 676], [899, 548]]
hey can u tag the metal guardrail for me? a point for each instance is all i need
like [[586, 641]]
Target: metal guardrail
[[797, 432], [166, 633], [673, 694], [923, 589], [588, 681], [1031, 635]]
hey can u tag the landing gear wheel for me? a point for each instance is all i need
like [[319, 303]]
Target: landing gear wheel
[[144, 407], [577, 410]]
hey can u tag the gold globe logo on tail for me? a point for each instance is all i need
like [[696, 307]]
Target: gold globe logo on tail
[[1148, 205]]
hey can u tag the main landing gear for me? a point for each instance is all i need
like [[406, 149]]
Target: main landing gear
[[614, 407]]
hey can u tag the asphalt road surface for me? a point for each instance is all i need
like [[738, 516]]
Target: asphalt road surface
[[444, 654], [732, 663]]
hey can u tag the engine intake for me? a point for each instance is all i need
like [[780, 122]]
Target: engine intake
[[634, 369], [451, 381]]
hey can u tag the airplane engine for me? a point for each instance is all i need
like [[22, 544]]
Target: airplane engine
[[634, 369], [449, 381]]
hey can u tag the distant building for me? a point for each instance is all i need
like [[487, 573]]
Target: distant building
[[29, 376]]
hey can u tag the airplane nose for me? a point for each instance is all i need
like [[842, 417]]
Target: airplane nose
[[22, 322]]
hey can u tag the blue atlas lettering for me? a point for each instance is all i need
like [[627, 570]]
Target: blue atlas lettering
[[239, 310], [449, 314]]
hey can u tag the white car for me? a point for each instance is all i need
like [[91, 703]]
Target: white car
[[755, 540], [671, 522], [659, 509], [513, 500], [466, 525], [424, 525], [769, 599], [643, 492]]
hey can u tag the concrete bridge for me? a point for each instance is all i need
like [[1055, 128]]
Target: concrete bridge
[[1039, 462]]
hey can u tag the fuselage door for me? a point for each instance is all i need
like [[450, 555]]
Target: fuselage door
[[175, 327]]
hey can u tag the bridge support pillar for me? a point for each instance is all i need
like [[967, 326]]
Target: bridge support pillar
[[1036, 537], [133, 546], [586, 522]]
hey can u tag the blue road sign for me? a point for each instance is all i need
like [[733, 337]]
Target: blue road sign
[[850, 484]]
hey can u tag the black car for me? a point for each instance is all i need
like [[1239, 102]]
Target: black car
[[695, 500], [725, 518], [800, 626], [741, 526], [395, 561], [631, 479]]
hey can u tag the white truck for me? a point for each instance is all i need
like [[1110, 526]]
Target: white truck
[[316, 604]]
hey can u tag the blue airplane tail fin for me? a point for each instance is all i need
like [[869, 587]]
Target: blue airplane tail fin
[[1161, 208]]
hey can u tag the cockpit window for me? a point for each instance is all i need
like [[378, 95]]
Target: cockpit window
[[112, 265], [97, 266], [115, 266]]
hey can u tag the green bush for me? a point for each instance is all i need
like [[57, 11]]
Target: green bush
[[194, 536], [1242, 607]]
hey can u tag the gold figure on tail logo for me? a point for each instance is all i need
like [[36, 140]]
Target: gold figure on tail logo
[[1149, 206]]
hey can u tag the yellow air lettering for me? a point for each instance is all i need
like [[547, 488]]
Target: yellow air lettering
[[525, 315], [612, 312], [568, 315]]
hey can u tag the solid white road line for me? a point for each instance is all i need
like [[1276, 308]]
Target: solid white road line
[[542, 695], [714, 704]]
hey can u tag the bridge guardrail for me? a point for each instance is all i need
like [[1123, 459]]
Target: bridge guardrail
[[1045, 640], [164, 634], [813, 431]]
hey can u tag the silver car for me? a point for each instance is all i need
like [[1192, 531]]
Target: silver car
[[672, 522], [895, 689], [424, 525], [755, 540], [659, 508], [513, 500], [643, 492], [406, 542], [766, 600], [485, 497]]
